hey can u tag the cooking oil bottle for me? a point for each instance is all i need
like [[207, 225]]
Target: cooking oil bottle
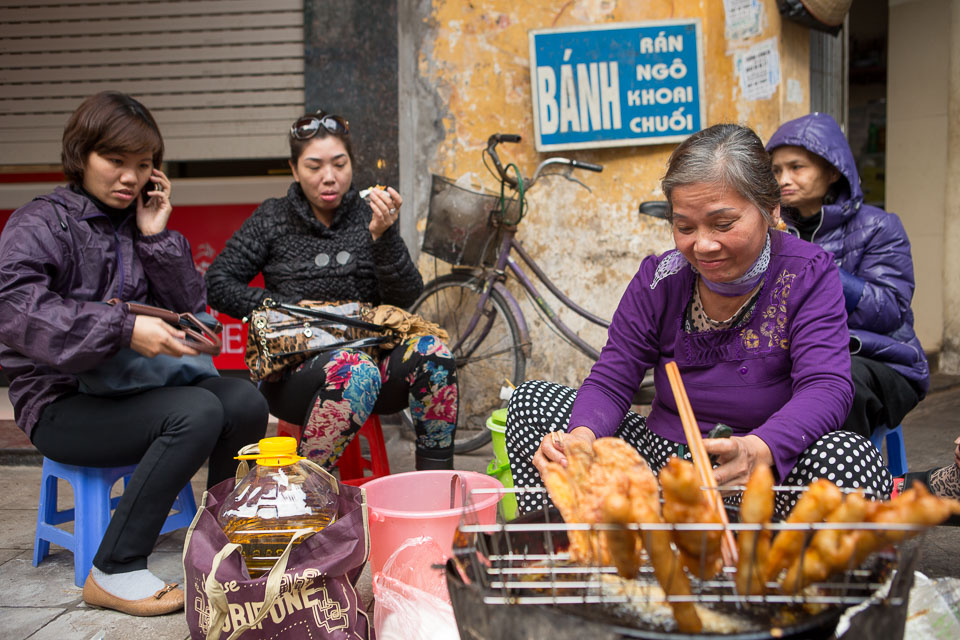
[[278, 497]]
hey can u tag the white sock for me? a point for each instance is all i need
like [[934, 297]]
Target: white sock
[[132, 585]]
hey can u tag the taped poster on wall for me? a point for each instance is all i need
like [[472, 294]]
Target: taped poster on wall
[[744, 18], [758, 69]]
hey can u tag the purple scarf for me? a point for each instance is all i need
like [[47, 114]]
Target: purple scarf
[[745, 283]]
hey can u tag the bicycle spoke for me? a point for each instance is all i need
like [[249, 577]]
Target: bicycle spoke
[[490, 354]]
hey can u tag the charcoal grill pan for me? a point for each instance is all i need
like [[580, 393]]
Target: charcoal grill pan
[[477, 620]]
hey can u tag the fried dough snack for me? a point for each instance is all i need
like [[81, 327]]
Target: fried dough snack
[[667, 567], [610, 482], [821, 497], [756, 506], [834, 550], [625, 474], [567, 487], [916, 506], [597, 485], [622, 545], [830, 550], [684, 501]]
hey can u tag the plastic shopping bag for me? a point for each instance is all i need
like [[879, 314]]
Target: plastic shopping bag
[[412, 602]]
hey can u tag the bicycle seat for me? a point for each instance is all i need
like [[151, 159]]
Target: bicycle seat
[[655, 208]]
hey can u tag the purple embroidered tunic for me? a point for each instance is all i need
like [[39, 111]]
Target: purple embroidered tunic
[[783, 375]]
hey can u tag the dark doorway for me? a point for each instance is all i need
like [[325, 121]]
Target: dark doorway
[[867, 113]]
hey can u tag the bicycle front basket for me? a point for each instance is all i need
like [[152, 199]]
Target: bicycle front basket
[[459, 230]]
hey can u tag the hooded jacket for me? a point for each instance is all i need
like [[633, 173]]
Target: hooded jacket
[[872, 251], [60, 259]]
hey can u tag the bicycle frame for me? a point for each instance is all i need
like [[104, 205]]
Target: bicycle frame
[[493, 278]]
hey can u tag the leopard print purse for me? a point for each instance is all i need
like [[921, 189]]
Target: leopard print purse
[[281, 336]]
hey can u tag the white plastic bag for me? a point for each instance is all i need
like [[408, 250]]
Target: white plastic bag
[[411, 597]]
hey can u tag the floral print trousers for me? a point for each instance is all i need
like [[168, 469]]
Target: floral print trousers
[[332, 395]]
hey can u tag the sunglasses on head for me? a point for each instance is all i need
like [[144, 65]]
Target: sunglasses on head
[[308, 126]]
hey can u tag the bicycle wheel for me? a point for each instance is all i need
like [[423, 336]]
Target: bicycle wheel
[[484, 361]]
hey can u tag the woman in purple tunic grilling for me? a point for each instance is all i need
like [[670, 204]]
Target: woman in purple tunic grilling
[[754, 319]]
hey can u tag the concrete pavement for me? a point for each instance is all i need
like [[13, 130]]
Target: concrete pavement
[[42, 603]]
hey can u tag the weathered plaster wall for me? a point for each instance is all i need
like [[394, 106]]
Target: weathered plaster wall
[[465, 74], [950, 350], [918, 103]]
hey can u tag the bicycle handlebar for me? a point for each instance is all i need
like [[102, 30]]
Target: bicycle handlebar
[[586, 165], [504, 137], [497, 138]]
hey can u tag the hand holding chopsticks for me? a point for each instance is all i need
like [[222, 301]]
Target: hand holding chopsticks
[[701, 460]]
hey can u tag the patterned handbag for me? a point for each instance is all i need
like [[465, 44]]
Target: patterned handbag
[[281, 336]]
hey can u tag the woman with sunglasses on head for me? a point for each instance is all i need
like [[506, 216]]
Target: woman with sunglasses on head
[[62, 256], [323, 242]]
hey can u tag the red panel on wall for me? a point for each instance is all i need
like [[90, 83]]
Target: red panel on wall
[[208, 227]]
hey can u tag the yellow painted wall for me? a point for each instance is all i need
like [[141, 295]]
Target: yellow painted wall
[[474, 58]]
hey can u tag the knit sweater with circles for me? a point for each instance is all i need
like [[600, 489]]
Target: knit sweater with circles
[[303, 259]]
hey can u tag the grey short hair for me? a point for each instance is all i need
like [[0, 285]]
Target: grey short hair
[[727, 155]]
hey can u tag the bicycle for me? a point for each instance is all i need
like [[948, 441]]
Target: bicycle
[[476, 233]]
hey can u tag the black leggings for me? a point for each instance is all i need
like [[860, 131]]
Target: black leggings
[[882, 397], [169, 433]]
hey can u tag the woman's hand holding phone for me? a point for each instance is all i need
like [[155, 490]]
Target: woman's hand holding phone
[[153, 206]]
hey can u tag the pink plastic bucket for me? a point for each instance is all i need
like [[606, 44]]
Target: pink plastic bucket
[[408, 505]]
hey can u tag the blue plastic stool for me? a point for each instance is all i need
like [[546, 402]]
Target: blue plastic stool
[[896, 452], [91, 512]]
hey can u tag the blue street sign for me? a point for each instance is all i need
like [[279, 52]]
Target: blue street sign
[[616, 85]]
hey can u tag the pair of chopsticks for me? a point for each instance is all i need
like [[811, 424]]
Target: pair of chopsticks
[[701, 461]]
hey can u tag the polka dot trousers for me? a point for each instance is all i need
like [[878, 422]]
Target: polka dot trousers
[[537, 408]]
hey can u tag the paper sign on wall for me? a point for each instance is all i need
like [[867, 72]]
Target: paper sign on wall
[[617, 84], [744, 18], [759, 70]]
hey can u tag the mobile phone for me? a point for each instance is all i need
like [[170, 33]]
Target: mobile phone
[[147, 188]]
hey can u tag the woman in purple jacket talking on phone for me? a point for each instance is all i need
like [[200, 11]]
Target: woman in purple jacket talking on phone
[[62, 256], [754, 319]]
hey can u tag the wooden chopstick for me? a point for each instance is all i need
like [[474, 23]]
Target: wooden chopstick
[[701, 461]]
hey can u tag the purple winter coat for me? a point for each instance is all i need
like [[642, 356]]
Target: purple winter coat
[[871, 248], [783, 375], [60, 258]]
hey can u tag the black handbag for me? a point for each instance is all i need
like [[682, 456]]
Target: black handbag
[[128, 372]]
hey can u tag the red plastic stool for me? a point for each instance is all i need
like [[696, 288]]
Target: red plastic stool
[[352, 464]]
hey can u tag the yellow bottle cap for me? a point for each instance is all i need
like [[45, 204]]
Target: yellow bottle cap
[[275, 452]]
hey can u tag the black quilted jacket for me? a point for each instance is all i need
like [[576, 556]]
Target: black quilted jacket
[[301, 259]]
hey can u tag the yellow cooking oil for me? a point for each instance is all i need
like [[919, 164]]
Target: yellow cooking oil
[[278, 497]]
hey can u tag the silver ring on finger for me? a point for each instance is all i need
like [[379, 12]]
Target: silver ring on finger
[[392, 211]]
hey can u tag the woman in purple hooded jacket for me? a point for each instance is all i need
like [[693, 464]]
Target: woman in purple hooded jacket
[[752, 316], [61, 257], [823, 203]]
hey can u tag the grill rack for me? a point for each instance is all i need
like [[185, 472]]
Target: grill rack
[[501, 558]]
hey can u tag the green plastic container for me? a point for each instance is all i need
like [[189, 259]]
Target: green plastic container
[[499, 467]]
